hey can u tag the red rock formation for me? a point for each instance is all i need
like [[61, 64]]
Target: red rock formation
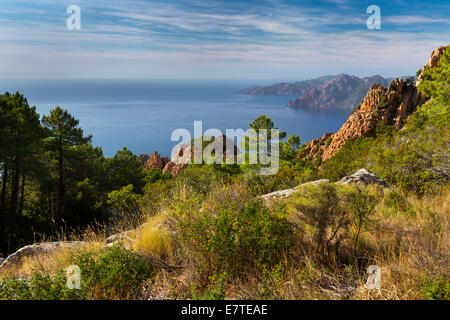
[[390, 106], [317, 146], [174, 169], [156, 161], [184, 154], [433, 61], [143, 159]]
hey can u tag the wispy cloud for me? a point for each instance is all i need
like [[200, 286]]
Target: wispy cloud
[[230, 38]]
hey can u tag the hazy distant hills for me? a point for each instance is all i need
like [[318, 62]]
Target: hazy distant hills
[[341, 91], [287, 88]]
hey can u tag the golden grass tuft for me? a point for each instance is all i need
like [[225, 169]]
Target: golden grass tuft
[[155, 238]]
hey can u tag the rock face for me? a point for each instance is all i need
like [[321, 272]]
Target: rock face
[[343, 91], [298, 88], [174, 169], [391, 106], [317, 146], [433, 61], [363, 177], [181, 158], [156, 161], [143, 159]]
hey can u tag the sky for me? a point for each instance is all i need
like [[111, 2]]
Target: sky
[[182, 39]]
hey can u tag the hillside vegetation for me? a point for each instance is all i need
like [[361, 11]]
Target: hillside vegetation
[[208, 234]]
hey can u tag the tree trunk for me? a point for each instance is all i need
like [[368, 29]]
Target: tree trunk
[[3, 197], [61, 191], [22, 194], [14, 196]]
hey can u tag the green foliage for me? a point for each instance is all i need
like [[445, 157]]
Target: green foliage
[[362, 206], [272, 280], [348, 160], [124, 201], [124, 169], [199, 178], [398, 203], [320, 208], [287, 177], [112, 273], [214, 291], [383, 103], [437, 288], [260, 124], [41, 286], [107, 273], [418, 72], [435, 82], [288, 149], [155, 174], [225, 233]]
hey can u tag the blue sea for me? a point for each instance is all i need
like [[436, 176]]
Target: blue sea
[[141, 114]]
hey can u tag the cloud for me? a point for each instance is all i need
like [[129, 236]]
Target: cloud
[[403, 20], [197, 39]]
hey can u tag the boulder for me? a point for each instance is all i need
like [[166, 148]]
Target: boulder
[[363, 177], [283, 194], [34, 250]]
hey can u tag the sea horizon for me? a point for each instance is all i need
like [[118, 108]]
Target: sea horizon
[[141, 114]]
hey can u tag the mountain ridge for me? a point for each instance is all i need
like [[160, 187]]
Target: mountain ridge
[[341, 91]]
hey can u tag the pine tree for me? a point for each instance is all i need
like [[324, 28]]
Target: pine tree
[[65, 134]]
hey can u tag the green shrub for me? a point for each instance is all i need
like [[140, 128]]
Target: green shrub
[[437, 288], [112, 273], [214, 291], [231, 231], [320, 209], [41, 286]]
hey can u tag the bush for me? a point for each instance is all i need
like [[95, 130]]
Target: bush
[[106, 273], [437, 288], [319, 208], [231, 231], [41, 286], [124, 201], [112, 273], [214, 291]]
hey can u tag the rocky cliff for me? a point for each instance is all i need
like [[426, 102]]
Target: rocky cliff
[[390, 106], [298, 88], [343, 91], [156, 161]]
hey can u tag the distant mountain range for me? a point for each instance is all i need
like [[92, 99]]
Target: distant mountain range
[[299, 88], [328, 92]]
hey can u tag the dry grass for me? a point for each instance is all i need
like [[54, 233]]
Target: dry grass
[[408, 237], [155, 238], [408, 243]]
